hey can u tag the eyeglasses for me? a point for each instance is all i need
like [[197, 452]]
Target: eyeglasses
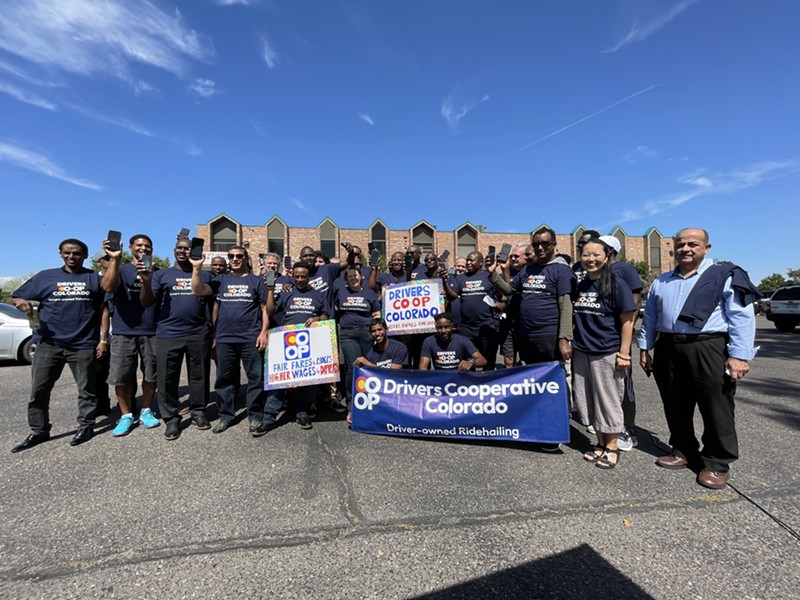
[[232, 256], [540, 245]]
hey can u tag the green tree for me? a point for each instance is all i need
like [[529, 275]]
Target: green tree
[[645, 272], [794, 276], [772, 282], [8, 288]]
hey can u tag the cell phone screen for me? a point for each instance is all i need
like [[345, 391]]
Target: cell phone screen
[[374, 257], [183, 234], [270, 278], [444, 256], [287, 262], [504, 252], [114, 239], [197, 248], [147, 261]]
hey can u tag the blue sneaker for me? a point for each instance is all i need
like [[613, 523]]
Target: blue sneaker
[[148, 419], [124, 426]]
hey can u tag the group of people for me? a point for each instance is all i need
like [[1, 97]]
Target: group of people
[[532, 307]]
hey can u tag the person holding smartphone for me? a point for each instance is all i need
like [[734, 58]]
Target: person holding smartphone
[[134, 329], [241, 336], [183, 329]]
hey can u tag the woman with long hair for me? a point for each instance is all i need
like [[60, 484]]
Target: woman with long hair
[[604, 314]]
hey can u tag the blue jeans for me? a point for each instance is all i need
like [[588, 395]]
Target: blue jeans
[[355, 341], [48, 363], [229, 356], [303, 397]]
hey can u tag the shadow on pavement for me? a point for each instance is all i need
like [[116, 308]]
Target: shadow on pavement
[[574, 574]]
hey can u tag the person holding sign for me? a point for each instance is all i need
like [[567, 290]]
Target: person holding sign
[[448, 350], [303, 304], [604, 313], [355, 308]]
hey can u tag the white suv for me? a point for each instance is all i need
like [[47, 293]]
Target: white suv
[[783, 308]]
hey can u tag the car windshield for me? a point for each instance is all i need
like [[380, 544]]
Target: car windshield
[[792, 293]]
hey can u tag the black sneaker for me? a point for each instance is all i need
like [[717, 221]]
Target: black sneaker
[[312, 411], [173, 430], [304, 422], [262, 429], [201, 422]]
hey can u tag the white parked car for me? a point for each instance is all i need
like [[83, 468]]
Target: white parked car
[[783, 308], [16, 335]]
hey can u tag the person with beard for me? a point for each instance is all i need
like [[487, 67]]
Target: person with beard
[[446, 350], [183, 329]]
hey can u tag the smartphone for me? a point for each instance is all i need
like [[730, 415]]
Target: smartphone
[[114, 239], [370, 247], [374, 257], [183, 234], [197, 248], [270, 278], [444, 256], [490, 255], [504, 252], [287, 262], [147, 261]]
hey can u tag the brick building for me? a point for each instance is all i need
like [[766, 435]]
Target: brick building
[[221, 232]]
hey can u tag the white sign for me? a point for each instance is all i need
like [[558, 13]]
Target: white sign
[[298, 356]]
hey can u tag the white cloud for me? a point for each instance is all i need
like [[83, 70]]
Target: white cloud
[[234, 2], [26, 97], [453, 112], [703, 184], [86, 37], [642, 21], [193, 150], [309, 211], [259, 128], [366, 118], [38, 163], [204, 88], [638, 153], [268, 53]]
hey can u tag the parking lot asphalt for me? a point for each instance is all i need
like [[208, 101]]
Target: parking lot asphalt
[[330, 513]]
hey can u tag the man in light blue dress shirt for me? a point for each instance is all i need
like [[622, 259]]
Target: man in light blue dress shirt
[[697, 362]]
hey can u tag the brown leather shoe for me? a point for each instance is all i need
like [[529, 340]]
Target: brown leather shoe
[[715, 480], [672, 462]]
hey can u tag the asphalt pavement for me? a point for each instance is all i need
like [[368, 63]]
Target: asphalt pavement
[[330, 513]]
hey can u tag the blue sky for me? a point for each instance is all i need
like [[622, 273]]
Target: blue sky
[[153, 115]]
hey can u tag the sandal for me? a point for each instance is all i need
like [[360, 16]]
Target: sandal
[[593, 456], [604, 463]]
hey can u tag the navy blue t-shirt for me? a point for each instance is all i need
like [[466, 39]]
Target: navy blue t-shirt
[[341, 281], [355, 308], [178, 311], [447, 355], [277, 291], [539, 288], [129, 317], [322, 280], [628, 273], [297, 307], [385, 279], [240, 298], [597, 323], [455, 305], [421, 272], [472, 289], [69, 306], [395, 353]]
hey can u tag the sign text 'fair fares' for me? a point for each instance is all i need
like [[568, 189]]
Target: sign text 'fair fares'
[[297, 356], [410, 307], [526, 404]]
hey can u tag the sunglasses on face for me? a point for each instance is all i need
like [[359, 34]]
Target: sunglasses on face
[[232, 256]]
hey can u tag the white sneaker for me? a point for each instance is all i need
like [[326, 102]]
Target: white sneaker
[[627, 441], [590, 429]]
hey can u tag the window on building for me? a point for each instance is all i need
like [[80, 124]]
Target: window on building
[[422, 236], [620, 235], [223, 235], [466, 241], [378, 237], [327, 238], [275, 237], [654, 242]]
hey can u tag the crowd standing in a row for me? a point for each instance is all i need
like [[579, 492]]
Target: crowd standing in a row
[[534, 307]]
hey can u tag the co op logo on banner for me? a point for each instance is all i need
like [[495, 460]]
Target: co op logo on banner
[[296, 345], [365, 396]]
